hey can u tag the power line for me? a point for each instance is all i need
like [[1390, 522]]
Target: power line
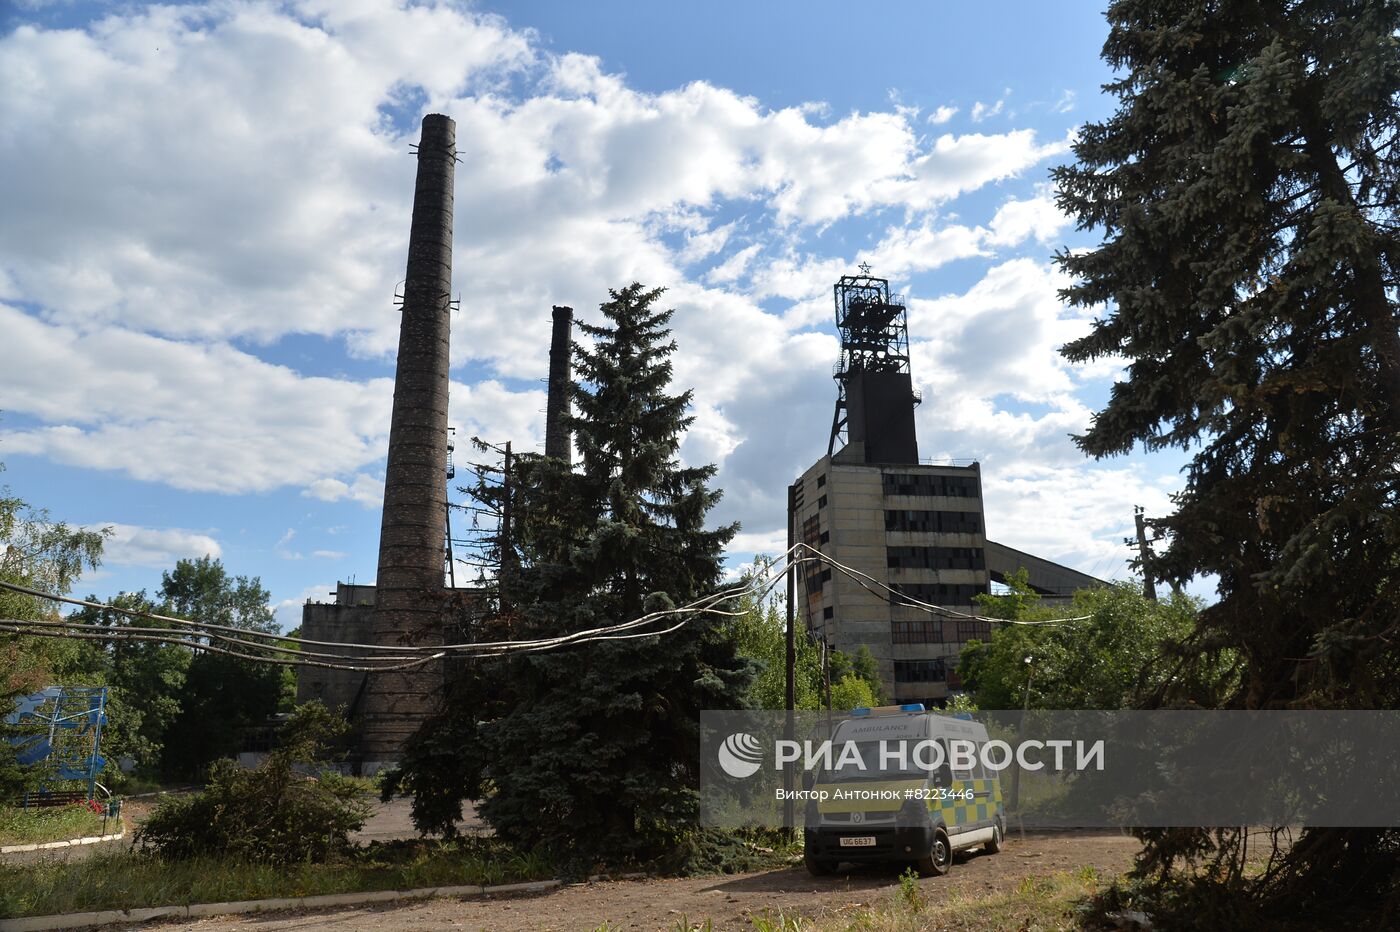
[[66, 628], [356, 656], [27, 629], [864, 580], [138, 613]]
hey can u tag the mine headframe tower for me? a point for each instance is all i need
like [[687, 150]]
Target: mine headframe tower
[[875, 396]]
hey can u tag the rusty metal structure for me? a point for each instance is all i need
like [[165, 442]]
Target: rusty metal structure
[[409, 591], [557, 408]]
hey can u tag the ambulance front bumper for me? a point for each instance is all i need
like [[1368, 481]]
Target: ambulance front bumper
[[889, 842]]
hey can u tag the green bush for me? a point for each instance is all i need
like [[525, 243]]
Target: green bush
[[271, 814]]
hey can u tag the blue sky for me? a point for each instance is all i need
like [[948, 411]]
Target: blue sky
[[207, 214]]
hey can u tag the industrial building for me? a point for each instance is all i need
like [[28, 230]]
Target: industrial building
[[917, 528], [869, 503]]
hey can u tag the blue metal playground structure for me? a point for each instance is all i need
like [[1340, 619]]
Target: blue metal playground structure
[[58, 731]]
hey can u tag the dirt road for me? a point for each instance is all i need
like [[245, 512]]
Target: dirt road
[[727, 900]]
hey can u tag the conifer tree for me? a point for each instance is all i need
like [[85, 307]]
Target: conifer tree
[[597, 755], [1246, 189]]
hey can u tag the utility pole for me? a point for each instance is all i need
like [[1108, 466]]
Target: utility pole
[[451, 559], [1149, 585], [506, 542], [1025, 708], [826, 682], [447, 513], [789, 807], [826, 671], [791, 682]]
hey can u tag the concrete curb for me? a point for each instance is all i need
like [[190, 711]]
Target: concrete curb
[[70, 843], [202, 910]]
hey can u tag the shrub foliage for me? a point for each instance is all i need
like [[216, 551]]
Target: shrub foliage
[[271, 814]]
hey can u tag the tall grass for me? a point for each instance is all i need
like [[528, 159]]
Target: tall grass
[[129, 880], [60, 823]]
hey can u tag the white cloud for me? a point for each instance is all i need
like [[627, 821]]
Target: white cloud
[[981, 111], [329, 554], [197, 416], [209, 168], [942, 115], [770, 543], [283, 549], [701, 244], [1076, 515], [367, 490], [1036, 217], [271, 122], [132, 545], [998, 338], [733, 267], [908, 249]]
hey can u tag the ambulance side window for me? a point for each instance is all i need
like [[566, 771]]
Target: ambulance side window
[[962, 774], [978, 771], [943, 776]]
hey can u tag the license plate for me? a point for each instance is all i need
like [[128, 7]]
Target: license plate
[[860, 841]]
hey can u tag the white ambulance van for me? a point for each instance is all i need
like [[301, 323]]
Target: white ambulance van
[[903, 784]]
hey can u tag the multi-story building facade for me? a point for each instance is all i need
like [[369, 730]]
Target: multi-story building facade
[[918, 529]]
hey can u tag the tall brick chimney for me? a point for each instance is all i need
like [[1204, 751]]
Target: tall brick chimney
[[556, 433], [409, 591]]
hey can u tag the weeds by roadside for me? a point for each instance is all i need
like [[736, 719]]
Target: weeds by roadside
[[60, 823], [125, 880], [1052, 903], [710, 851]]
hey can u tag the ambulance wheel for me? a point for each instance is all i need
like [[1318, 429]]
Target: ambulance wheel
[[993, 846], [939, 858], [819, 867]]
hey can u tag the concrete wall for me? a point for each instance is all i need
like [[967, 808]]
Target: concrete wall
[[350, 619]]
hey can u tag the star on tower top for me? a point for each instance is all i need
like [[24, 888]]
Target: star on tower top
[[864, 268]]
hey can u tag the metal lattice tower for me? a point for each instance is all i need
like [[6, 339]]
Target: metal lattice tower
[[875, 396]]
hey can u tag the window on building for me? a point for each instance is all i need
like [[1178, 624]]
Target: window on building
[[936, 558], [919, 671], [936, 593], [926, 484], [821, 502], [821, 480], [828, 613], [946, 522], [826, 536], [927, 631], [969, 629]]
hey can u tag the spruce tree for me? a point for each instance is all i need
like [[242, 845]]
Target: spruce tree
[[597, 756], [1246, 189]]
